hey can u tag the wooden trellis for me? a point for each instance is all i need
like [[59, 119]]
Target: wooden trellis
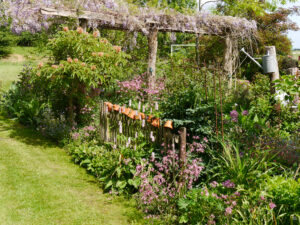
[[229, 33]]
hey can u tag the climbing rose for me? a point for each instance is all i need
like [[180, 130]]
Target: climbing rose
[[76, 60], [70, 60]]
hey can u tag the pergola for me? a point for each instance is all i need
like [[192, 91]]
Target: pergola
[[122, 16]]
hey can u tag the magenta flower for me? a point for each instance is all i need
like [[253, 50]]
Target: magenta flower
[[228, 184], [272, 205], [245, 113], [234, 115]]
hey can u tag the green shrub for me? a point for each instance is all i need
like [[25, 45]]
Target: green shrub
[[6, 40], [113, 166]]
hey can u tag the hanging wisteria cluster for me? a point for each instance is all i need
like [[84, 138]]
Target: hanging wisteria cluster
[[26, 15]]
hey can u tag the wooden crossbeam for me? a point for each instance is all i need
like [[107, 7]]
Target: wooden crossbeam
[[107, 17]]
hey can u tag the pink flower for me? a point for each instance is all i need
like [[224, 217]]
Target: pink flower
[[234, 115], [69, 60], [76, 60], [228, 210], [262, 198], [66, 29], [272, 205]]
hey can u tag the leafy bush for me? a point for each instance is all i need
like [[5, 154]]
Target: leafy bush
[[6, 40], [113, 166]]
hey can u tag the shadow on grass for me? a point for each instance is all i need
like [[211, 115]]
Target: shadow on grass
[[24, 134]]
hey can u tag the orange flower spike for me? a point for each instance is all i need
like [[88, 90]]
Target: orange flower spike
[[149, 119], [79, 30], [155, 122], [143, 116], [132, 114], [116, 107], [126, 111], [169, 124]]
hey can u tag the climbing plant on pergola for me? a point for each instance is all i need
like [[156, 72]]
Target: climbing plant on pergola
[[33, 15]]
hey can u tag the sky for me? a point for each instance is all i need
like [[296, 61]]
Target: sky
[[293, 35]]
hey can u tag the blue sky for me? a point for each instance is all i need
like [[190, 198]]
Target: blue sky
[[295, 35]]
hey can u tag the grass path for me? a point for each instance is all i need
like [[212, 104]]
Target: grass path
[[40, 185]]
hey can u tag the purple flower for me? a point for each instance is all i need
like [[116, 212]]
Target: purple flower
[[245, 113], [234, 115], [272, 205], [262, 198], [228, 184]]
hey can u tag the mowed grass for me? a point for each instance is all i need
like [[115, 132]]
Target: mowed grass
[[40, 185], [11, 66]]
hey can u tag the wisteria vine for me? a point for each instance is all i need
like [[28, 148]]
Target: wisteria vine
[[25, 15]]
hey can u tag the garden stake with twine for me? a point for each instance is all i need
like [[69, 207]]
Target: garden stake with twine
[[216, 110], [221, 104]]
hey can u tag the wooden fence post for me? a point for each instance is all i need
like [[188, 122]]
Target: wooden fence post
[[182, 146], [152, 51]]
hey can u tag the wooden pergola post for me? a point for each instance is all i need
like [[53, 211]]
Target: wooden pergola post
[[152, 51], [83, 23], [230, 56]]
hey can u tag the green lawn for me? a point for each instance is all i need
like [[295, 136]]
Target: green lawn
[[40, 185], [11, 66]]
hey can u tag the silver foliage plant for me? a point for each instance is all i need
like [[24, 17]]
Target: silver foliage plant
[[25, 15]]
